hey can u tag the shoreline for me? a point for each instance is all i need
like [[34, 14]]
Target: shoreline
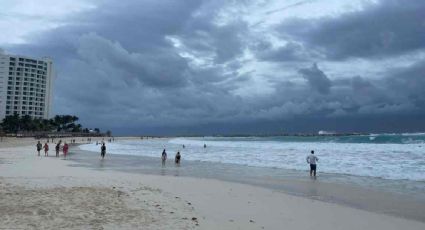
[[369, 199], [66, 194]]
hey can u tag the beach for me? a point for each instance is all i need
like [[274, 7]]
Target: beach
[[51, 193]]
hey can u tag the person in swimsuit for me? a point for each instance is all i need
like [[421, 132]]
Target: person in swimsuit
[[46, 150], [65, 149], [177, 159]]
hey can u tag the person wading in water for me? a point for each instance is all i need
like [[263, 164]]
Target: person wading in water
[[312, 159], [177, 159], [163, 157], [103, 150]]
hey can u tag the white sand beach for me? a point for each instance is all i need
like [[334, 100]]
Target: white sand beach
[[51, 193]]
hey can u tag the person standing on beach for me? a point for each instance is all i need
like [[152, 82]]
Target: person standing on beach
[[163, 157], [65, 150], [46, 150], [57, 148], [39, 147], [177, 159], [312, 159], [103, 150]]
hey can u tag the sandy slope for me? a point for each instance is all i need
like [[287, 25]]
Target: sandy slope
[[44, 193]]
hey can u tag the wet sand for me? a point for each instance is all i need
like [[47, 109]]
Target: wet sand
[[367, 197]]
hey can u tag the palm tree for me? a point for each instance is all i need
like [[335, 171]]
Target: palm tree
[[26, 122], [11, 124]]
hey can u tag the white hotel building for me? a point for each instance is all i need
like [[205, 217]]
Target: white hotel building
[[26, 86]]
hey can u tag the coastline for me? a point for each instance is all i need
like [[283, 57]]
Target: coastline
[[164, 202], [325, 188]]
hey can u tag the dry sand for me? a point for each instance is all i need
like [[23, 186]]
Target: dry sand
[[48, 193]]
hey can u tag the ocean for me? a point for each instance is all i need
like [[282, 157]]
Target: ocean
[[384, 156], [384, 173]]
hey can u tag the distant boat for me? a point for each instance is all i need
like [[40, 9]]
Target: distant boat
[[322, 132]]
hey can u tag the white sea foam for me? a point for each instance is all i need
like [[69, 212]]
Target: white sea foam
[[389, 161]]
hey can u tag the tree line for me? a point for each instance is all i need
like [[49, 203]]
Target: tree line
[[59, 123]]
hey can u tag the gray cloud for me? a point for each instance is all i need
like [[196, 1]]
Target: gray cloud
[[223, 42], [289, 6], [169, 67], [158, 69], [408, 83], [389, 27], [316, 79], [290, 52]]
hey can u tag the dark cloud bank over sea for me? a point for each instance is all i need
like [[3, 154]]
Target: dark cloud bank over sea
[[176, 67]]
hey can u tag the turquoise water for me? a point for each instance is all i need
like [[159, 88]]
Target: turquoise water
[[405, 138], [384, 173], [386, 156], [393, 196]]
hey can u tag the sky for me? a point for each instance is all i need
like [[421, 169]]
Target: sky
[[190, 67]]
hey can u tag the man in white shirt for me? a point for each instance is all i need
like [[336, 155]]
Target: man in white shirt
[[312, 159]]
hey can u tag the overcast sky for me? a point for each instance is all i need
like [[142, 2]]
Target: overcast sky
[[222, 66]]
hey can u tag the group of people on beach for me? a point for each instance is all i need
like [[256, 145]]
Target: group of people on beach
[[40, 147], [311, 159], [64, 148], [58, 146], [176, 158]]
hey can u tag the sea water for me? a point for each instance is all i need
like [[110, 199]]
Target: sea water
[[384, 156], [383, 173]]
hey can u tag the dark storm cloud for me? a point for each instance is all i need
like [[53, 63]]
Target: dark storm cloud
[[129, 66], [409, 83], [316, 79], [140, 25], [389, 27], [115, 62], [223, 42], [398, 93], [361, 85], [155, 69]]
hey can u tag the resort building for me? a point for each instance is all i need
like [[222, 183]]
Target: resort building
[[26, 86]]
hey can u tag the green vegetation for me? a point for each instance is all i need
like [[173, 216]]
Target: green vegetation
[[60, 123]]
